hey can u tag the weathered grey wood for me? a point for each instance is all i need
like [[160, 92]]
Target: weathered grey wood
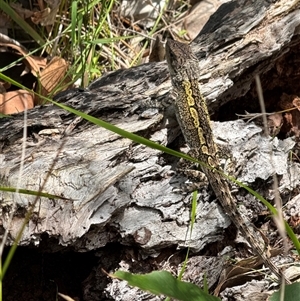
[[113, 183]]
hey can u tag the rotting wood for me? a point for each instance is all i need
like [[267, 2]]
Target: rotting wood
[[241, 39]]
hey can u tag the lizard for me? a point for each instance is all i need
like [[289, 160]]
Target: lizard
[[194, 120]]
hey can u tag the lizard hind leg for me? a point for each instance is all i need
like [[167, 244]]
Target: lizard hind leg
[[196, 179]]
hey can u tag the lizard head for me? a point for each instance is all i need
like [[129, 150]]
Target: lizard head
[[180, 58]]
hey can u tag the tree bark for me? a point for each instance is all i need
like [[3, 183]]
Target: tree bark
[[118, 191]]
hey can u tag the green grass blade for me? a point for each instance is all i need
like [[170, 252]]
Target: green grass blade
[[74, 9], [32, 192], [163, 283], [125, 134], [271, 208], [291, 293], [192, 223], [22, 23], [194, 210]]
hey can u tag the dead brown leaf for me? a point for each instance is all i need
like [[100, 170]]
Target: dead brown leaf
[[52, 76], [39, 16], [16, 101], [157, 53], [35, 63], [275, 122], [236, 275], [291, 125], [46, 15], [296, 102], [240, 272], [198, 15]]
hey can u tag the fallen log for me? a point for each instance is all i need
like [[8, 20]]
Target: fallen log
[[116, 191]]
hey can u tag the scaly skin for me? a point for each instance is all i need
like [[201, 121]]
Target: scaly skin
[[193, 118]]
